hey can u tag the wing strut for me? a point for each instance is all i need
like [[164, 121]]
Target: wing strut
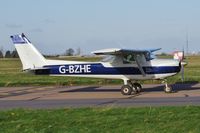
[[139, 65]]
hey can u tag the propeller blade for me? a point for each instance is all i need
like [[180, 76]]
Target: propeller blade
[[182, 72]]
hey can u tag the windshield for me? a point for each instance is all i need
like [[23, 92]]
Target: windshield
[[149, 56], [108, 58]]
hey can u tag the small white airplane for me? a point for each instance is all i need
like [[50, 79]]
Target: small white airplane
[[126, 64]]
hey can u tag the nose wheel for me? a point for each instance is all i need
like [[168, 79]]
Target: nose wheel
[[167, 88]]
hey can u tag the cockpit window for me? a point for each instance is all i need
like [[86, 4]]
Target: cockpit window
[[148, 56], [109, 58], [129, 58]]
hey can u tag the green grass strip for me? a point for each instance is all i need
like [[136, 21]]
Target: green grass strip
[[102, 120]]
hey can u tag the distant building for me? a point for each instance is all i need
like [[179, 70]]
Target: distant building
[[178, 55]]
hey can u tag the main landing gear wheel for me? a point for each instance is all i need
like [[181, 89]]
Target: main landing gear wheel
[[137, 87], [126, 90]]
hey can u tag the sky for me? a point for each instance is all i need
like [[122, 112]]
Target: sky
[[56, 25]]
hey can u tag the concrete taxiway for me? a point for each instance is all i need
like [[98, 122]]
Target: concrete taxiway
[[86, 96]]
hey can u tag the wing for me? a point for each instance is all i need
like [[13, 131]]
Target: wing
[[117, 51], [137, 53]]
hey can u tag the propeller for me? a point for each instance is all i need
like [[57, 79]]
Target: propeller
[[182, 63], [179, 55]]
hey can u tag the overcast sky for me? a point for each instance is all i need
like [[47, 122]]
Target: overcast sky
[[55, 25]]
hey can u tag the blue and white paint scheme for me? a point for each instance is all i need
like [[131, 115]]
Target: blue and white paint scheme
[[126, 64]]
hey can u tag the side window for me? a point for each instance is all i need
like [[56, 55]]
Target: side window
[[148, 56], [128, 59]]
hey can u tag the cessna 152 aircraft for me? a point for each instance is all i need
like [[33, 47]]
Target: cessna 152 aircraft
[[126, 64]]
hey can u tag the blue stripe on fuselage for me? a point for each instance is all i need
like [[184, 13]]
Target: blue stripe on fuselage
[[99, 69]]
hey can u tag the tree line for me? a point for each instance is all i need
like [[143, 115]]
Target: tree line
[[14, 54], [72, 52], [9, 54]]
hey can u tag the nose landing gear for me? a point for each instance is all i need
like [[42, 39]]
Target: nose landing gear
[[167, 88]]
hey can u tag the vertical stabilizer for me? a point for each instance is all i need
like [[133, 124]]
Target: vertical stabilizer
[[30, 57]]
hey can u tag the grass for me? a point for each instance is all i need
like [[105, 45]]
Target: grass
[[105, 119], [11, 74]]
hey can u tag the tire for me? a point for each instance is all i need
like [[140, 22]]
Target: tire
[[168, 89], [126, 90], [134, 89], [138, 87]]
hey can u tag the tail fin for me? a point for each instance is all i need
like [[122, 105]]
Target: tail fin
[[29, 55]]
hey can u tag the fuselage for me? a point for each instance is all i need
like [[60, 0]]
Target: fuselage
[[154, 69]]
